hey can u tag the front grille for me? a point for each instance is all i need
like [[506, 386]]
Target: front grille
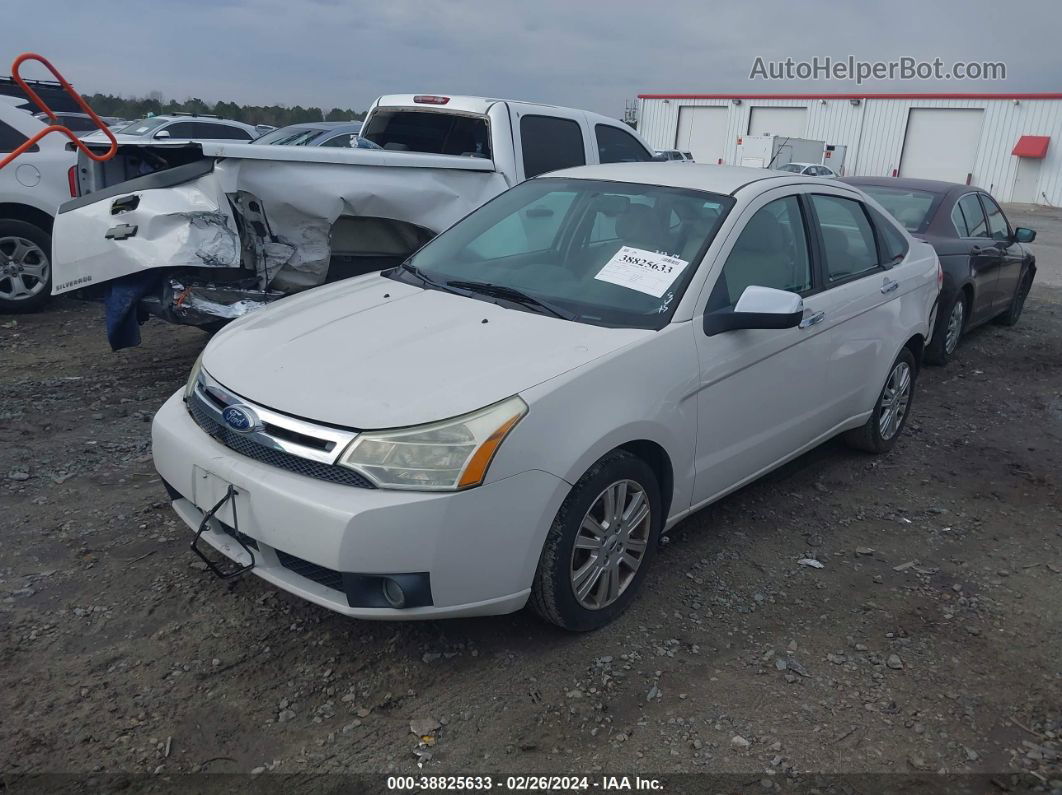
[[278, 458], [311, 571]]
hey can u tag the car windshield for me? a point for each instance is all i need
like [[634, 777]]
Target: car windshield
[[605, 253], [909, 207], [794, 167], [142, 126], [290, 136]]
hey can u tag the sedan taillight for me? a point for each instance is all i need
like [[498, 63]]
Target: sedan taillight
[[71, 179]]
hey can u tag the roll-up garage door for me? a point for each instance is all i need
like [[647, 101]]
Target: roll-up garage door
[[702, 132], [788, 122], [941, 143]]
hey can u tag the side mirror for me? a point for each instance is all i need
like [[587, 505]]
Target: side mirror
[[1024, 235], [758, 308], [162, 134]]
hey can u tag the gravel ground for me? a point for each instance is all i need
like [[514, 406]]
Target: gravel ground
[[930, 640]]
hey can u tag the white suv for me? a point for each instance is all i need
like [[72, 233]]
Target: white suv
[[31, 189], [182, 127]]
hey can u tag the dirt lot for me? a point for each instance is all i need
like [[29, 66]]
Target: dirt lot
[[931, 640]]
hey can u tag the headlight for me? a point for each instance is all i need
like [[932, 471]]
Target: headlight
[[443, 456], [193, 376]]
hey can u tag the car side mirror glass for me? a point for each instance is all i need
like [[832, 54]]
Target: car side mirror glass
[[757, 308], [162, 134], [1024, 235]]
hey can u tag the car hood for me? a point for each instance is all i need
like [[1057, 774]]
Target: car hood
[[372, 353]]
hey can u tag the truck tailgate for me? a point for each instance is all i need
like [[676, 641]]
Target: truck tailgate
[[174, 218]]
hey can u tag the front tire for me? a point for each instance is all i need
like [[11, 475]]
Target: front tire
[[600, 544], [951, 323], [25, 267], [891, 410]]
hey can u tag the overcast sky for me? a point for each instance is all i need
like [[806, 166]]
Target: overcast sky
[[591, 53]]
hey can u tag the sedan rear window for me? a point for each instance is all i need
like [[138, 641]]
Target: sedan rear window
[[909, 207], [603, 253]]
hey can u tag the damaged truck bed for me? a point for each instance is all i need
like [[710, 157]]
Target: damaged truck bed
[[200, 233]]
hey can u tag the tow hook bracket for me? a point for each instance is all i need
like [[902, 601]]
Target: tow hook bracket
[[121, 232], [230, 495]]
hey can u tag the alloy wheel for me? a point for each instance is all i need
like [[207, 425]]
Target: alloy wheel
[[954, 329], [610, 545], [894, 400], [24, 268]]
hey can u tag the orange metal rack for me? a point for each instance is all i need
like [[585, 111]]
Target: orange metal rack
[[55, 126]]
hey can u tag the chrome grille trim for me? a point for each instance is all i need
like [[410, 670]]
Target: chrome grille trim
[[261, 446], [333, 440]]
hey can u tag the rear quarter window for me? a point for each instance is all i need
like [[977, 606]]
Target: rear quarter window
[[11, 139]]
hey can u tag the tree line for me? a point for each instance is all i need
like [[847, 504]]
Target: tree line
[[276, 115]]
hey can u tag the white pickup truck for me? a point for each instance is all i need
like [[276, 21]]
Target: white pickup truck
[[204, 232]]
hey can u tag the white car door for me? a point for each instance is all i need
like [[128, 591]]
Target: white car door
[[858, 301], [762, 391]]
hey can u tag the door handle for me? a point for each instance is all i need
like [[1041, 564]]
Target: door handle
[[812, 320], [889, 285], [125, 204]]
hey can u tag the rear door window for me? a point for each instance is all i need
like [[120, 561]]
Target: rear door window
[[969, 218], [224, 132], [11, 139], [847, 237], [616, 146], [550, 144], [998, 228], [893, 243]]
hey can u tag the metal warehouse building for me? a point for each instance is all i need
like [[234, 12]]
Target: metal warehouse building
[[1010, 144]]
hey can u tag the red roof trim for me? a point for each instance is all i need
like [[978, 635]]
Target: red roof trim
[[1034, 146], [852, 96]]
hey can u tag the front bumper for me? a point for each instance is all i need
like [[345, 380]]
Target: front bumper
[[479, 547]]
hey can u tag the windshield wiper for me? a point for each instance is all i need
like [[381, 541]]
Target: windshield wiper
[[426, 281], [512, 294]]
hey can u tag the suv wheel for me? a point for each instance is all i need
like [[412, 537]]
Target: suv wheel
[[25, 267], [890, 413], [600, 544]]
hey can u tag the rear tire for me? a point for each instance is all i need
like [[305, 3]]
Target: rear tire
[[951, 322], [593, 544], [25, 267], [893, 407], [1017, 302]]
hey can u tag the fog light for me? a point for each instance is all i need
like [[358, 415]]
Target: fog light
[[393, 593]]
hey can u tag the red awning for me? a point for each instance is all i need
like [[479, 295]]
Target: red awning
[[1031, 146]]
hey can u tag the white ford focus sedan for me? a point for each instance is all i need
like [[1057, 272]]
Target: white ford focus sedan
[[520, 410]]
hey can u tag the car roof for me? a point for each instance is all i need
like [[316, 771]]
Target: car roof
[[698, 176], [211, 119], [934, 186], [478, 105]]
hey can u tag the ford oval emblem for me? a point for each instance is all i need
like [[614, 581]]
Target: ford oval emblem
[[240, 418]]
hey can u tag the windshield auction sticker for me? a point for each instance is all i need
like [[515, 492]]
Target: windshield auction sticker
[[641, 270]]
